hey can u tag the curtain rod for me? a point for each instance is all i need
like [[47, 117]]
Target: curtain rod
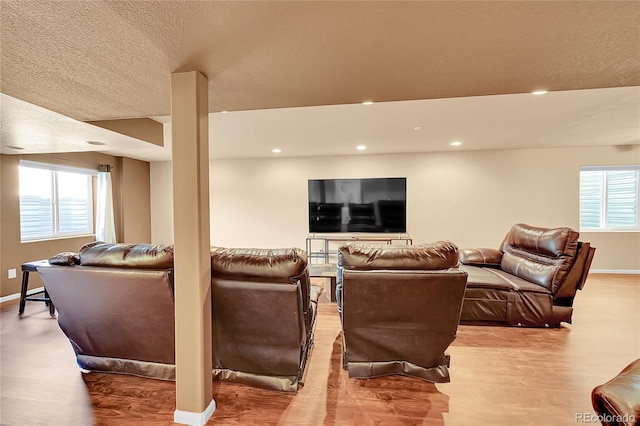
[[61, 159]]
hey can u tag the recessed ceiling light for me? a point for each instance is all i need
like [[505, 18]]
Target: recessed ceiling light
[[539, 92], [367, 103], [224, 112], [456, 143], [17, 148], [417, 128], [276, 150], [361, 147], [96, 143]]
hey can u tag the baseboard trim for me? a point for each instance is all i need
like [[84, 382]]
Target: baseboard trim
[[195, 419], [15, 296], [616, 271]]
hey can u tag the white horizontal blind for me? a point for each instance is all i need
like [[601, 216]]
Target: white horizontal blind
[[591, 199], [74, 204], [54, 201], [609, 198], [622, 199], [36, 203]]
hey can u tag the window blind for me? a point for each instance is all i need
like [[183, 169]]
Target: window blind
[[609, 198]]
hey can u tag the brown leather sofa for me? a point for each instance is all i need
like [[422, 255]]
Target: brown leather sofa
[[617, 402], [400, 308], [530, 281], [115, 305]]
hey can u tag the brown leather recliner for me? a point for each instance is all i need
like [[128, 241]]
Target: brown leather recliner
[[530, 281], [617, 402], [264, 312], [400, 308]]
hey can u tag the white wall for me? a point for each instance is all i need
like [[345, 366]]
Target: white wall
[[469, 197]]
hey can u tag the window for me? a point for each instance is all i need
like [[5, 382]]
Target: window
[[55, 201], [609, 198]]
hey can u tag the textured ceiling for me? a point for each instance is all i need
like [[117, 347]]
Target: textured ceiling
[[104, 60], [101, 60]]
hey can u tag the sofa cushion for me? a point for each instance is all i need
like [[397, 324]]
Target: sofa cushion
[[274, 264], [143, 256], [489, 278], [553, 242], [543, 272], [438, 255]]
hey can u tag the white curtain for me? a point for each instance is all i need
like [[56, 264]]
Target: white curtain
[[105, 224]]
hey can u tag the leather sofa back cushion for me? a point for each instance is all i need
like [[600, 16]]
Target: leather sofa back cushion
[[554, 242], [439, 255], [262, 264], [540, 255], [536, 269], [142, 256]]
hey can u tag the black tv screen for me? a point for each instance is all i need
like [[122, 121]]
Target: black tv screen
[[376, 205]]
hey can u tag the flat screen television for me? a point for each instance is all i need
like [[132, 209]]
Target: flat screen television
[[374, 205]]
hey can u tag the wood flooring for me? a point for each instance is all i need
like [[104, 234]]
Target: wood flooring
[[499, 375]]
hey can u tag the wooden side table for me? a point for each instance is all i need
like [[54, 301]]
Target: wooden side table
[[26, 269]]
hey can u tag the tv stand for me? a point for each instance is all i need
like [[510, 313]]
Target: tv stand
[[324, 247]]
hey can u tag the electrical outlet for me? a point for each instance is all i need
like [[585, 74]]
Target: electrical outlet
[[12, 273]]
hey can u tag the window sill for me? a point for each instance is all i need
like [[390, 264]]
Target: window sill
[[66, 237], [608, 231]]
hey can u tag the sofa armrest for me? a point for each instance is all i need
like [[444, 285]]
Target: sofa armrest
[[617, 401], [66, 258], [481, 257], [316, 291]]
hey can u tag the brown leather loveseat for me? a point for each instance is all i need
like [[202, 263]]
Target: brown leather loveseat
[[530, 281], [400, 308], [115, 305]]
